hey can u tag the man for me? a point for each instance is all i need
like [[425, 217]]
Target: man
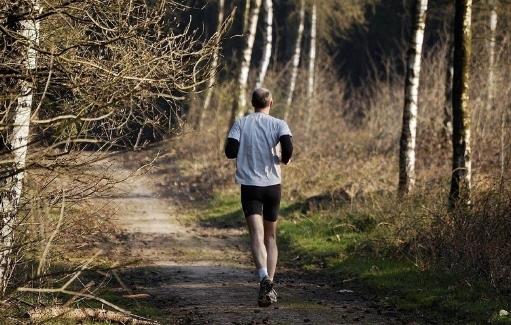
[[253, 140]]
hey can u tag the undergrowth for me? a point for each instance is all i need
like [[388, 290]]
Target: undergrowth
[[390, 247]]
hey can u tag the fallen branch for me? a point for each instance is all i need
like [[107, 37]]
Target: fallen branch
[[83, 314]]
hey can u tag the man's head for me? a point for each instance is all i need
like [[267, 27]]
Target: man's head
[[261, 99]]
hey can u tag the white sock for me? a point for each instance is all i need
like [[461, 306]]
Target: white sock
[[262, 272]]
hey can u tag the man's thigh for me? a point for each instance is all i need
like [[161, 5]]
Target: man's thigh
[[255, 225], [271, 203], [251, 200]]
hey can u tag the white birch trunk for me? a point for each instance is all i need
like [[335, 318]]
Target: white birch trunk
[[214, 67], [240, 105], [29, 30], [461, 115], [296, 59], [265, 62], [491, 55], [409, 130], [246, 12], [448, 93], [503, 145], [312, 67]]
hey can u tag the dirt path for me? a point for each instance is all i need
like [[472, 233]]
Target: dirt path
[[199, 274]]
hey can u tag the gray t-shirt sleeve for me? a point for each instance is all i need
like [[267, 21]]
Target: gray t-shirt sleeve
[[235, 132], [283, 129]]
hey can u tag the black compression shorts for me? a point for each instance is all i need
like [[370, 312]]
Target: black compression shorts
[[262, 200]]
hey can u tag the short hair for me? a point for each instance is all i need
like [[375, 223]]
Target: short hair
[[261, 98]]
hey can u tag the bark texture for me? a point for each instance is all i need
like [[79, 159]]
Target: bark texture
[[83, 315], [461, 167], [265, 61], [12, 188], [214, 67], [246, 12], [409, 130], [312, 67], [296, 59], [448, 93], [240, 104], [491, 55]]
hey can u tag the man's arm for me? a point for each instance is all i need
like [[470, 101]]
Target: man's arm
[[231, 148], [286, 145]]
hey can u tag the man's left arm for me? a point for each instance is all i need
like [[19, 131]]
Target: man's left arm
[[286, 142], [286, 147]]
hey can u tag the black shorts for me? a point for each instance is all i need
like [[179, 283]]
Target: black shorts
[[262, 200]]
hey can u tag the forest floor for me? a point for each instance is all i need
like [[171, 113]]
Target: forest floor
[[195, 270]]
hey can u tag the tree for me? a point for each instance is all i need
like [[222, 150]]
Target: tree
[[214, 67], [240, 103], [461, 166], [265, 61], [295, 59], [448, 92], [312, 67], [490, 102], [29, 29], [246, 13], [105, 69], [409, 130]]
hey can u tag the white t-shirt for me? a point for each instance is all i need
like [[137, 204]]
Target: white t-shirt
[[258, 161]]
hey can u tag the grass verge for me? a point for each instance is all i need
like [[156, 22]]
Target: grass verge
[[347, 243]]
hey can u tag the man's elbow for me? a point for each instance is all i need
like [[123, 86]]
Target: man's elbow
[[231, 148], [230, 155], [287, 149], [286, 157]]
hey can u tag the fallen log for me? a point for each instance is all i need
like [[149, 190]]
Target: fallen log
[[84, 314]]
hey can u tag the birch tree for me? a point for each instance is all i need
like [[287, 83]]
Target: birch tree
[[312, 67], [265, 61], [240, 103], [448, 92], [214, 67], [98, 87], [12, 188], [491, 55], [461, 167], [246, 13], [409, 130], [296, 59]]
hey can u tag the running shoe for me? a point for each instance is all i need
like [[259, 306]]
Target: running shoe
[[267, 295]]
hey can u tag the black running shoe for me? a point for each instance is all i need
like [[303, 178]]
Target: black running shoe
[[267, 295]]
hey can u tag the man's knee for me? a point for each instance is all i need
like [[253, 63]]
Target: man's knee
[[269, 239]]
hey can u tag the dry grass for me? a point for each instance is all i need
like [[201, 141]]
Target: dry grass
[[353, 143]]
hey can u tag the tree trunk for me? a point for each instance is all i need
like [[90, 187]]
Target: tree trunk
[[265, 62], [461, 167], [296, 60], [503, 145], [239, 107], [448, 93], [312, 68], [214, 67], [246, 13], [10, 197], [490, 103], [409, 130]]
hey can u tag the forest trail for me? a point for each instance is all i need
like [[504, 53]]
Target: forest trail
[[202, 273]]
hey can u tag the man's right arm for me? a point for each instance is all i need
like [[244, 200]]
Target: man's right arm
[[232, 144], [232, 147]]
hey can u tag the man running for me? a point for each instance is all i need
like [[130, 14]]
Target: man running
[[253, 141]]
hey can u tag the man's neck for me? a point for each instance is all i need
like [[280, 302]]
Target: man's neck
[[263, 110]]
